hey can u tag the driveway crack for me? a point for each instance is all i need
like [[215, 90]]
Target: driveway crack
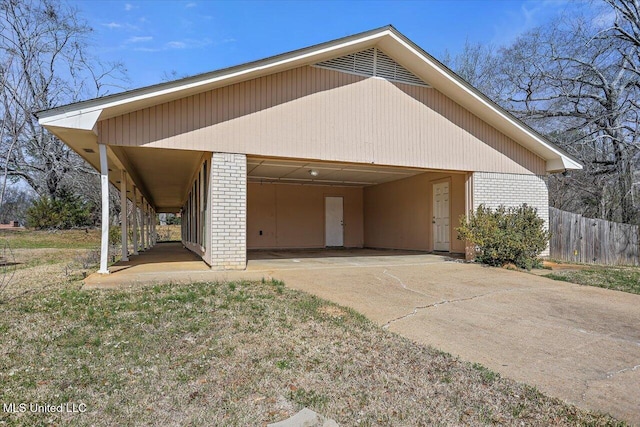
[[435, 304], [621, 371]]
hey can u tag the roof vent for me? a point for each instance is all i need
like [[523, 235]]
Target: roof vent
[[88, 150], [372, 63]]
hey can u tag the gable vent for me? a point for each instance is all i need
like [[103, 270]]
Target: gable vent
[[372, 63]]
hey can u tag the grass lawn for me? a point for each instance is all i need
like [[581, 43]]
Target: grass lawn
[[231, 354], [625, 279], [55, 239], [240, 354]]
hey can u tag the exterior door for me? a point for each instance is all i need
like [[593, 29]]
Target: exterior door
[[334, 225], [440, 221]]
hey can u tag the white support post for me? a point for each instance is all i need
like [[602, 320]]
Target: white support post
[[148, 225], [124, 216], [153, 227], [143, 240], [104, 186], [135, 221]]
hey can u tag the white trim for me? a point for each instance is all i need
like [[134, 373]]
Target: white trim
[[104, 186], [84, 120]]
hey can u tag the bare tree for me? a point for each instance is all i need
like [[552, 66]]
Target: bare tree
[[16, 202], [476, 64], [627, 23], [570, 80], [577, 80], [44, 63]]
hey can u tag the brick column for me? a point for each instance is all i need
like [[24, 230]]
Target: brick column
[[228, 211], [494, 189]]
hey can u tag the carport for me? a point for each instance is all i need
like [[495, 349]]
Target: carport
[[364, 141], [309, 204]]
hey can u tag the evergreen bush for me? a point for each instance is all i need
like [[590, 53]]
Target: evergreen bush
[[63, 211], [505, 235]]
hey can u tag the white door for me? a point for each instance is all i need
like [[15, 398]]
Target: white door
[[334, 226], [441, 216]]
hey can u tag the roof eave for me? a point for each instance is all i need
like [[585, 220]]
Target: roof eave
[[84, 115], [179, 88], [482, 106]]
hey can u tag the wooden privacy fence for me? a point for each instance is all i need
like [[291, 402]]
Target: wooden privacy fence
[[592, 241]]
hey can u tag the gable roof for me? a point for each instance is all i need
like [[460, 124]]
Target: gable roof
[[79, 119]]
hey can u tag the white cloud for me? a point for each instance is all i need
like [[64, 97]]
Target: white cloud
[[173, 44], [139, 39], [128, 6], [147, 49], [124, 26], [176, 45], [190, 4], [190, 43], [529, 15]]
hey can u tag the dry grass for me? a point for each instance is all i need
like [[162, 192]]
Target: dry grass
[[67, 239], [168, 233], [240, 354], [38, 269], [232, 354]]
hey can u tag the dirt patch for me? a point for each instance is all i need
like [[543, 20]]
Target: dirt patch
[[332, 311], [555, 266]]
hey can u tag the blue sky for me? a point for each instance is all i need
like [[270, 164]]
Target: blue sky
[[152, 38]]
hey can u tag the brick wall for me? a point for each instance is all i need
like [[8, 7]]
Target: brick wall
[[228, 211], [494, 189]]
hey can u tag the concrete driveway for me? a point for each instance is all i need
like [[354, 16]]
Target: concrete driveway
[[578, 343]]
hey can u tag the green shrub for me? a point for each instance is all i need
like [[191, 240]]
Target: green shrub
[[115, 235], [61, 212], [505, 235]]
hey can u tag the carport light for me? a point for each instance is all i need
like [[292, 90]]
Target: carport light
[[313, 172]]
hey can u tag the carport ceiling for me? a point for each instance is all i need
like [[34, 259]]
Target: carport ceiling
[[165, 174], [299, 172]]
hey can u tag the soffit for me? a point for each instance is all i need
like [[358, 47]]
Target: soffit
[[166, 175]]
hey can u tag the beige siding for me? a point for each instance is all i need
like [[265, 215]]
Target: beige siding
[[397, 215], [315, 113], [292, 216]]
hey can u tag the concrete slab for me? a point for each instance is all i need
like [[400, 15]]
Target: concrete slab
[[305, 418], [171, 262], [578, 343], [162, 263]]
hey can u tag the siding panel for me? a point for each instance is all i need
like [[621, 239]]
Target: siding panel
[[321, 114]]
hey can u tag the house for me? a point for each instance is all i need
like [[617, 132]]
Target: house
[[364, 141]]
